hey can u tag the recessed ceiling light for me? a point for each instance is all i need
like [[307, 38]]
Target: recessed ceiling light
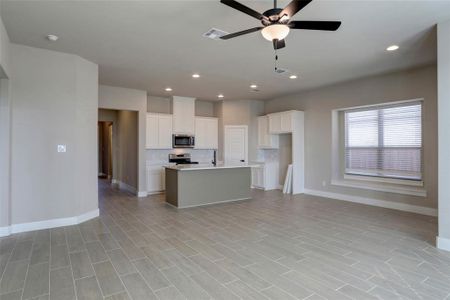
[[253, 86], [52, 37], [293, 77], [195, 75], [220, 96], [168, 89], [392, 48]]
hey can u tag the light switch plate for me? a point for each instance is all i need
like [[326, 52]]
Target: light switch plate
[[61, 148]]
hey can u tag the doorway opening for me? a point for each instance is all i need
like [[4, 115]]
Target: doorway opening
[[105, 153], [118, 148]]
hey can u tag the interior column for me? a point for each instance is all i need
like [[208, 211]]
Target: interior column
[[443, 239]]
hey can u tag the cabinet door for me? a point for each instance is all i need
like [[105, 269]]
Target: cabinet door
[[286, 122], [152, 132], [255, 177], [261, 182], [165, 131], [154, 179], [162, 181], [262, 131], [275, 123], [212, 134], [200, 135]]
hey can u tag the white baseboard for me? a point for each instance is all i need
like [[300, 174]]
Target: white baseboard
[[5, 231], [443, 243], [155, 192], [46, 224], [141, 194], [376, 202]]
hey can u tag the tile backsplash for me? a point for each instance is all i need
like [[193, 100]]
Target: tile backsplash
[[162, 156]]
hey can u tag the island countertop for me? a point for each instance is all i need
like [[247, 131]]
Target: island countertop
[[195, 167]]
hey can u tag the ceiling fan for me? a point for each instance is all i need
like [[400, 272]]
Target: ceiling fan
[[277, 22]]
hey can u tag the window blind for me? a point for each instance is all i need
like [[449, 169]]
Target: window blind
[[384, 141]]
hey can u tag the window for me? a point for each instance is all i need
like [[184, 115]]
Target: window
[[384, 141]]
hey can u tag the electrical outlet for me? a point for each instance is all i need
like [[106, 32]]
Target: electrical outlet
[[61, 148]]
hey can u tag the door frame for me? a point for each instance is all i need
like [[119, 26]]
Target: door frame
[[226, 127]]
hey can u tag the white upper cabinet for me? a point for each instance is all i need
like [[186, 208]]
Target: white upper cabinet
[[183, 115], [206, 133], [165, 131], [265, 139], [281, 122], [159, 131]]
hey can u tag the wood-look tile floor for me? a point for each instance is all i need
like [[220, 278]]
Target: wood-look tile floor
[[271, 247]]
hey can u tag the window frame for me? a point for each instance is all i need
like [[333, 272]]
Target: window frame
[[380, 177]]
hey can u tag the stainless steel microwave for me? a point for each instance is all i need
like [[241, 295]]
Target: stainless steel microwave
[[183, 141]]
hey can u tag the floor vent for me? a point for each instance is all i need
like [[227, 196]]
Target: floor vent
[[214, 33]]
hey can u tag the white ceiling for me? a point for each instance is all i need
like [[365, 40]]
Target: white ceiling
[[150, 45]]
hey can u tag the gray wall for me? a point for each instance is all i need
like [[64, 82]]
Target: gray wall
[[5, 131], [164, 105], [241, 112], [444, 130], [318, 104], [4, 51], [5, 153], [127, 147], [159, 104], [117, 98], [54, 101]]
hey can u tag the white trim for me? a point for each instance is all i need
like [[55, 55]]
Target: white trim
[[404, 190], [5, 231], [87, 216], [375, 202], [211, 203], [142, 194], [155, 192], [39, 225], [443, 243], [380, 104], [384, 180]]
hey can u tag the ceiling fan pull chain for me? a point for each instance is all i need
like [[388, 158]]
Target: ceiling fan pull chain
[[276, 60]]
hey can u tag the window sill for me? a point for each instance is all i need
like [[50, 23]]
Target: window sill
[[382, 180], [381, 187]]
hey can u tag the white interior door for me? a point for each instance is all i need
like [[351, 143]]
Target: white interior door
[[236, 144]]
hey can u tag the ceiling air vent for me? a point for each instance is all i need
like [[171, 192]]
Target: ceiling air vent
[[214, 33], [281, 71]]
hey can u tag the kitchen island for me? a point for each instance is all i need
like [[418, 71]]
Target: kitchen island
[[196, 185]]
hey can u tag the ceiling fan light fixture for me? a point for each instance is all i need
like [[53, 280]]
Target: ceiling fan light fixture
[[275, 32]]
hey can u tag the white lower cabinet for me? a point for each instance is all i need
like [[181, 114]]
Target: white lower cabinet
[[266, 176], [156, 179]]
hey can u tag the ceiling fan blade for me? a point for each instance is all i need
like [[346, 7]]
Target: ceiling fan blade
[[244, 9], [235, 34], [278, 44], [315, 25], [294, 7]]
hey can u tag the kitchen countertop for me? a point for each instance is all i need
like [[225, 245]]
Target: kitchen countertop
[[209, 167]]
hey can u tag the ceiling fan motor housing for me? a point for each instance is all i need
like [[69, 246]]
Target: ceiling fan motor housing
[[272, 16]]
